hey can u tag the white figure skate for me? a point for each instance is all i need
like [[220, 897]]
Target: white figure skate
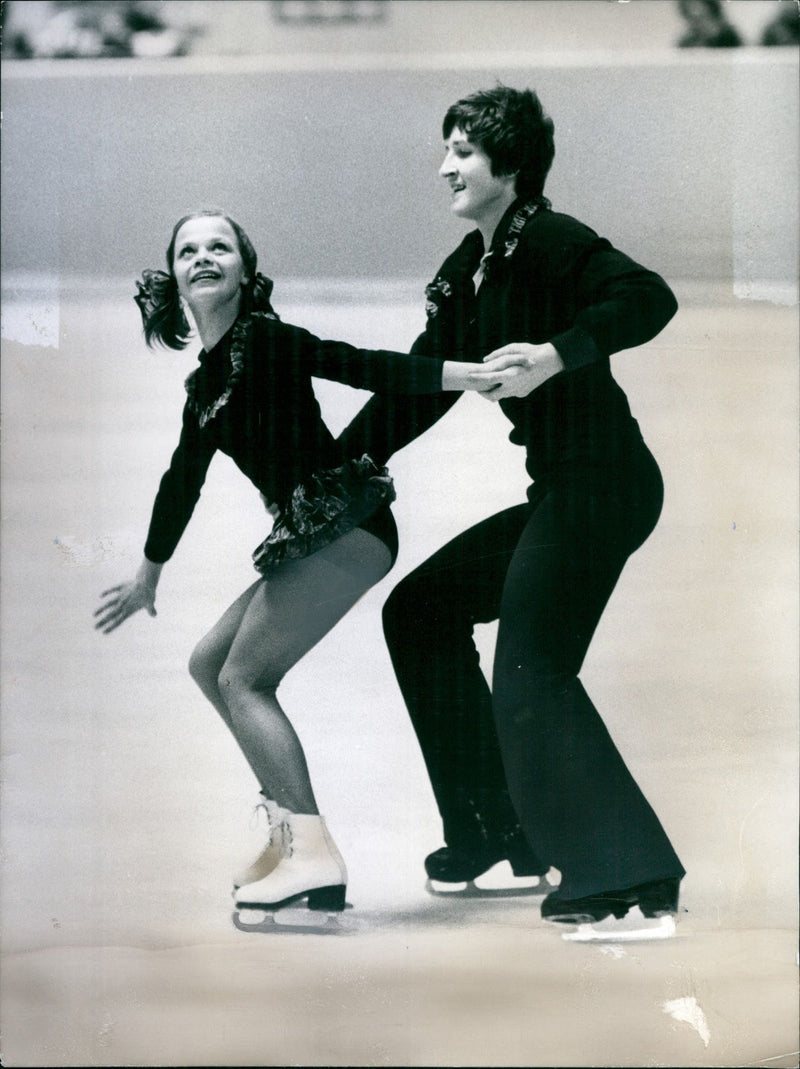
[[271, 854], [311, 870]]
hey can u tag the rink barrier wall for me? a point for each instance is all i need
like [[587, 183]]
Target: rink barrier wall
[[688, 161]]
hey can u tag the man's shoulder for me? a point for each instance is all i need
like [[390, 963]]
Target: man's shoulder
[[469, 249], [547, 224]]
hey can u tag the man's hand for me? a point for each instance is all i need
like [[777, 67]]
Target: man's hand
[[516, 370]]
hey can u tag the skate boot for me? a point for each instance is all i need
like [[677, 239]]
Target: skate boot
[[467, 857], [271, 854], [467, 861], [311, 868], [644, 912]]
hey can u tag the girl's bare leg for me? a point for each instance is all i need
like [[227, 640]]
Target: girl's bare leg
[[264, 634], [211, 651]]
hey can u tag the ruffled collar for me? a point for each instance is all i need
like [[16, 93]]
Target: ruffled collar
[[504, 245], [236, 341]]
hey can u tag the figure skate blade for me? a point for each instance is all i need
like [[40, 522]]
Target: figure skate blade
[[498, 882], [633, 928], [295, 920]]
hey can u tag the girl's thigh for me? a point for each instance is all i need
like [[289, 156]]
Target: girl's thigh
[[211, 651], [300, 602]]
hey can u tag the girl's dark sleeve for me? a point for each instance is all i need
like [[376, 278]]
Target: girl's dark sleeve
[[178, 491], [387, 423], [382, 371], [618, 303]]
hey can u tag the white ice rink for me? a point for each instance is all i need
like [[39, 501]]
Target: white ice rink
[[125, 805]]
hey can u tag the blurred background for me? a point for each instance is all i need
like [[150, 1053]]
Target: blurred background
[[317, 124], [70, 29]]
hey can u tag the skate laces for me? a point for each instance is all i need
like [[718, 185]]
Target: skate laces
[[273, 816], [286, 829]]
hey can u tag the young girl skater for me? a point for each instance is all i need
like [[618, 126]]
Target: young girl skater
[[251, 397]]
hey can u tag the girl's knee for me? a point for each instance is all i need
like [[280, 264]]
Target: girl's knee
[[203, 666], [238, 686]]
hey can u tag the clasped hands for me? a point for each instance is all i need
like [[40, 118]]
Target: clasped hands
[[515, 370]]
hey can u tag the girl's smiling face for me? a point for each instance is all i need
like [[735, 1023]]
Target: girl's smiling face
[[207, 262], [476, 193]]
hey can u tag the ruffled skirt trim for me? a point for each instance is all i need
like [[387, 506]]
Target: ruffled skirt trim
[[328, 505]]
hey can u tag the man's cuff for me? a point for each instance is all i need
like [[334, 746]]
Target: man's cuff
[[576, 348]]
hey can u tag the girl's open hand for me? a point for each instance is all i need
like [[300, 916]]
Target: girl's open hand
[[120, 602]]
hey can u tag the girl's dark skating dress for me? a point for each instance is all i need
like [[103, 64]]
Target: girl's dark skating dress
[[252, 398]]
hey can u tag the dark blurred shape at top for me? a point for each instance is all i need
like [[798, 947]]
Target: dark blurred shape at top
[[706, 25], [328, 12], [87, 29], [784, 29]]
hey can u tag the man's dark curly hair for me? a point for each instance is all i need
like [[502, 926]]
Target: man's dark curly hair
[[514, 131]]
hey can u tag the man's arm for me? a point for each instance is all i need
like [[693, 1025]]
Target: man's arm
[[387, 423]]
